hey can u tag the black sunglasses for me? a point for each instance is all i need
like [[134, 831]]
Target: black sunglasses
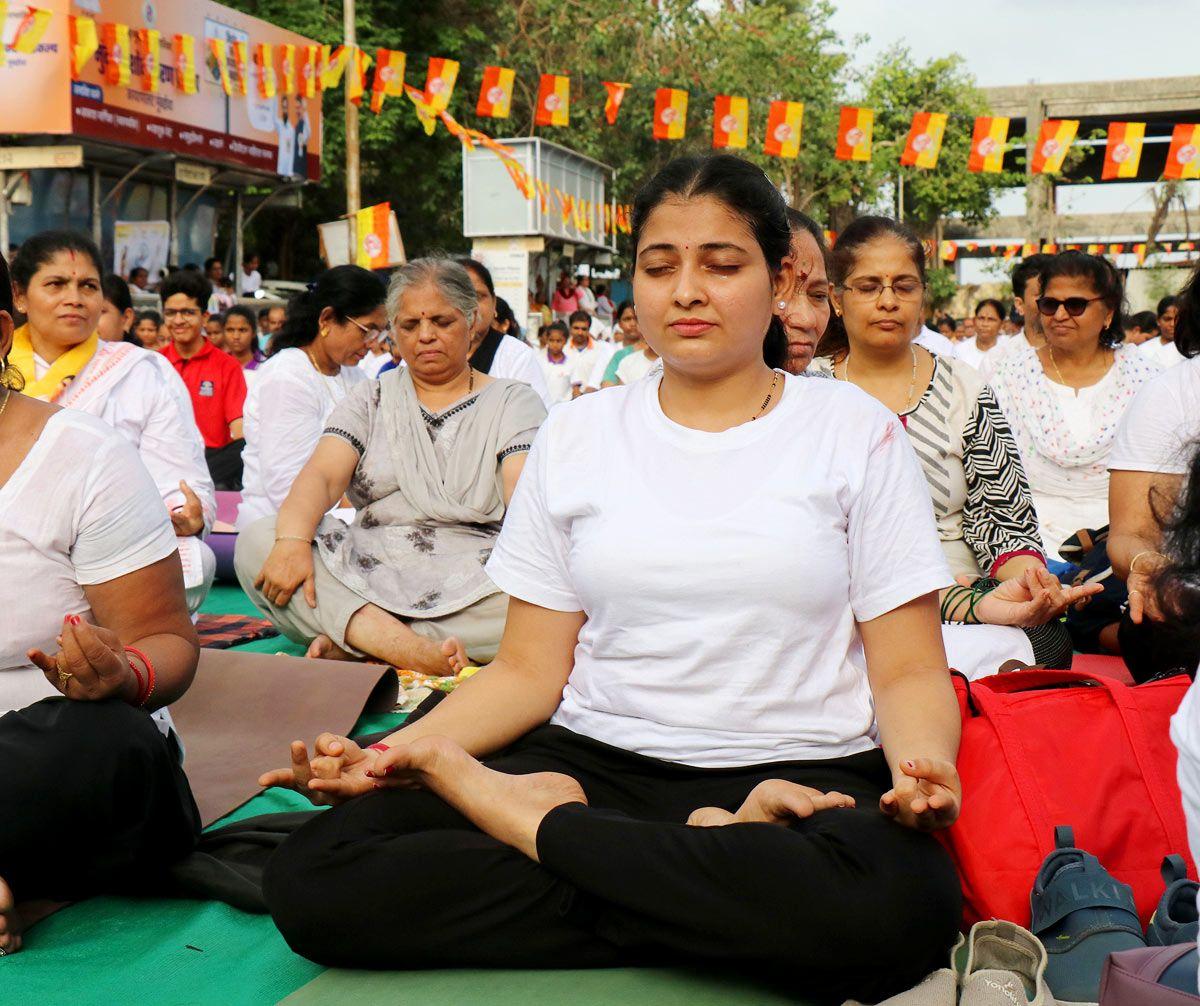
[[1075, 305]]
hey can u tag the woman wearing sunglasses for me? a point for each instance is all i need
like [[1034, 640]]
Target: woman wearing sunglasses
[[985, 516], [313, 365], [1066, 399]]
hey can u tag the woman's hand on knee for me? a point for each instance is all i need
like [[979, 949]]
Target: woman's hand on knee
[[288, 567], [926, 795], [774, 801], [91, 664], [337, 771]]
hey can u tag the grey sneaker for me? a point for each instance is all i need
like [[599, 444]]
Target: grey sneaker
[[1006, 966]]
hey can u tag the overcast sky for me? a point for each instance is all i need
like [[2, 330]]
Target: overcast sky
[[1015, 41]]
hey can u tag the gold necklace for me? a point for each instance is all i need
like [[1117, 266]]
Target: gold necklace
[[4, 404], [767, 400], [316, 366], [1054, 364], [912, 384]]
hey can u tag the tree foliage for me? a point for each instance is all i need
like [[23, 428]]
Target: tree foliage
[[760, 49]]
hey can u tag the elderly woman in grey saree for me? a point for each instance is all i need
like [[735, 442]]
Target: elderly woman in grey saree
[[429, 455]]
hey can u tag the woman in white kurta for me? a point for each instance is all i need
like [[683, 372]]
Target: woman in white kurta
[[62, 359], [313, 366], [1065, 400]]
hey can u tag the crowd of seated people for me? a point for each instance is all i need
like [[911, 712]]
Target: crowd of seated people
[[721, 582]]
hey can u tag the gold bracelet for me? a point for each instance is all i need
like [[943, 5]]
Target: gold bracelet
[[1133, 561], [293, 537]]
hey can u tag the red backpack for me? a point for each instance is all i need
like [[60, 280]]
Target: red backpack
[[1044, 748]]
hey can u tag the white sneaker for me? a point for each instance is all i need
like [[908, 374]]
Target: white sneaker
[[1006, 966]]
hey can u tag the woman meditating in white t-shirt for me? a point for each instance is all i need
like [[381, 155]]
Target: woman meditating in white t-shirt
[[94, 634], [724, 598]]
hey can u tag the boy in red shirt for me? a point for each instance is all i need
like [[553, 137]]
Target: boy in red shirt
[[213, 378]]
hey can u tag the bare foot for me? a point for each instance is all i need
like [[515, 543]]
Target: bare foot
[[11, 926], [455, 655], [324, 648], [510, 808], [774, 801]]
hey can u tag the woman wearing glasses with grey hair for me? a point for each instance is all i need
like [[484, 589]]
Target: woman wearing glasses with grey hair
[[429, 455], [985, 514]]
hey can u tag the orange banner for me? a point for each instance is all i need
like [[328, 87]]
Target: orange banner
[[785, 124], [264, 70], [287, 68], [308, 72], [924, 141], [116, 45], [1053, 143], [184, 49], [373, 237], [495, 93], [987, 144], [731, 118], [1183, 157], [439, 82], [84, 41], [1123, 152], [356, 76], [148, 56], [855, 127], [554, 101], [333, 65], [612, 103], [31, 29], [670, 113], [389, 77]]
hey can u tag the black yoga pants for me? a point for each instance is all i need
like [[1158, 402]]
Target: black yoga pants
[[92, 801], [845, 903]]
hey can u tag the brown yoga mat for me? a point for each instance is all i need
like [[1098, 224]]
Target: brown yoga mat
[[244, 709]]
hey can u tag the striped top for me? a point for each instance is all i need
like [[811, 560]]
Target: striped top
[[981, 500]]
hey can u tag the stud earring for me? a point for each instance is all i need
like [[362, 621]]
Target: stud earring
[[782, 304]]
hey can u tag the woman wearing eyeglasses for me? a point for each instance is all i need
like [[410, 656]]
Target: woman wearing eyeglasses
[[429, 455], [313, 366], [1066, 399], [985, 516]]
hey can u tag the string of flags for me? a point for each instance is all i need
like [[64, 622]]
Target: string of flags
[[127, 54], [950, 250]]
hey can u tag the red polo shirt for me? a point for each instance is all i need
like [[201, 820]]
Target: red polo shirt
[[217, 386]]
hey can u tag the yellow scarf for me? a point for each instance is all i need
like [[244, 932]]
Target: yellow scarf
[[65, 369]]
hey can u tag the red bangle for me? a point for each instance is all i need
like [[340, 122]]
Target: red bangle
[[145, 688], [380, 746]]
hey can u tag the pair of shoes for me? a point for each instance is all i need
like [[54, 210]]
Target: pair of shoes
[[1175, 921], [1081, 913], [1006, 966]]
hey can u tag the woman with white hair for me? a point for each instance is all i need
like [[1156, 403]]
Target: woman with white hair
[[429, 455]]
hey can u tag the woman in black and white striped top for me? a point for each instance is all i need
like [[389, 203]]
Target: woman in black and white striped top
[[985, 515]]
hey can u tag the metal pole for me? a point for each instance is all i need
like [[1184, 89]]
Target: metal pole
[[900, 196], [237, 240], [4, 214], [353, 198], [97, 222]]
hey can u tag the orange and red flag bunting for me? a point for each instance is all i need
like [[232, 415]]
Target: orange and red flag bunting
[[670, 113], [615, 94], [183, 48], [264, 67], [241, 69], [440, 77], [495, 92], [1183, 157], [855, 127], [150, 49], [31, 29], [389, 77], [987, 144], [1123, 152], [116, 46], [554, 101], [373, 236], [1053, 142], [731, 122], [84, 40], [308, 71], [785, 125], [924, 141]]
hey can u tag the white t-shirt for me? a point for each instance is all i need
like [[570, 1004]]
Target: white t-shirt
[[987, 366], [283, 418], [969, 352], [587, 299], [371, 364], [1161, 427], [80, 510], [584, 361], [558, 377], [935, 342], [249, 283], [721, 573], [1163, 354], [516, 361], [634, 367]]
